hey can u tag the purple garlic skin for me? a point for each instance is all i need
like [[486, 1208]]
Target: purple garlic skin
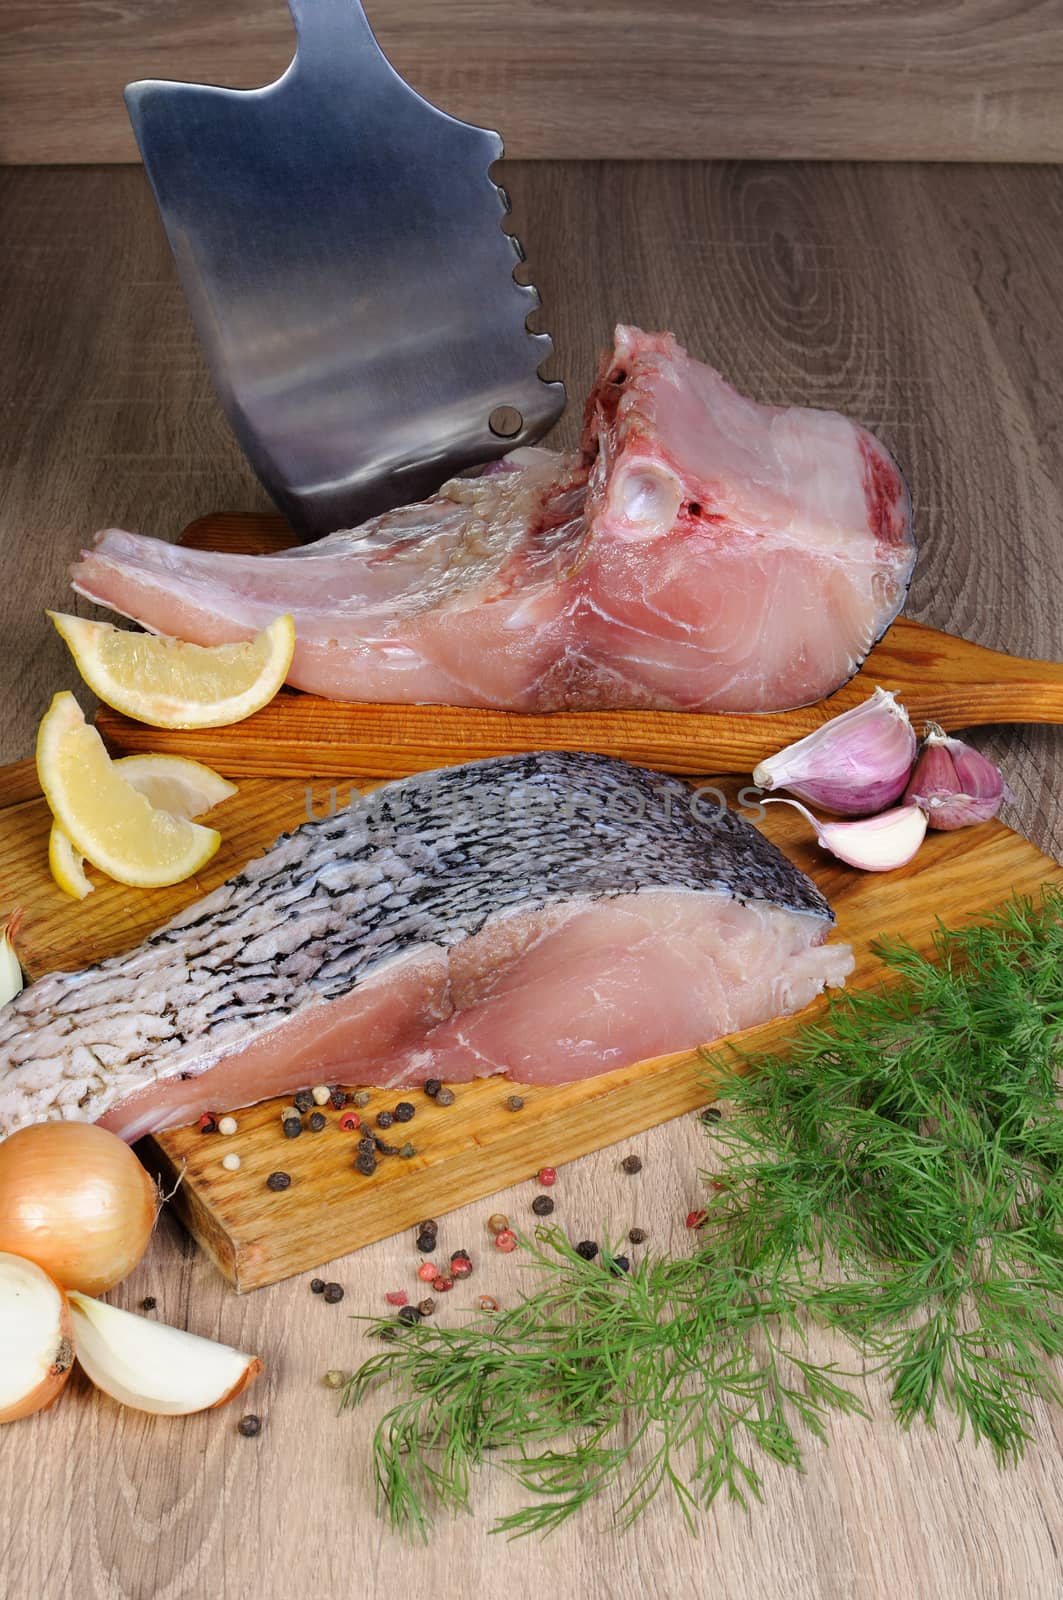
[[856, 764], [953, 784]]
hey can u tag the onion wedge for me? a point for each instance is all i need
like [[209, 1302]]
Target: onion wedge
[[152, 1367], [36, 1339]]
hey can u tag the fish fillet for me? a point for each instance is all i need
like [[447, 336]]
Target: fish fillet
[[548, 916], [700, 552]]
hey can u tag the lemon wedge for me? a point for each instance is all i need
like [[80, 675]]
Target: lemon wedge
[[170, 684], [104, 817], [176, 784]]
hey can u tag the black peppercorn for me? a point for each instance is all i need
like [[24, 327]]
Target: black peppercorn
[[407, 1152], [404, 1112], [333, 1293], [293, 1127], [445, 1097], [464, 1254], [318, 1121], [361, 1098], [542, 1205], [366, 1144], [249, 1426], [366, 1162], [426, 1307], [303, 1101], [429, 1225], [637, 1235], [587, 1249], [432, 1087], [383, 1148], [410, 1314], [148, 1303], [712, 1114], [426, 1243], [631, 1164], [388, 1332], [278, 1181], [384, 1119], [620, 1264], [515, 1103], [337, 1098], [317, 1285]]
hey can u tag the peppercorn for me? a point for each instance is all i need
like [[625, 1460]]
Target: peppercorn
[[542, 1205], [387, 1332], [515, 1103], [506, 1240], [317, 1121], [367, 1144], [587, 1249], [404, 1111], [695, 1219], [334, 1379], [429, 1225], [408, 1151], [227, 1125], [427, 1271], [148, 1303], [207, 1123], [547, 1176], [426, 1243], [445, 1097], [463, 1253], [279, 1181], [361, 1098], [383, 1148], [497, 1223], [442, 1284], [249, 1426], [317, 1285], [712, 1114], [293, 1127], [366, 1163], [620, 1264], [349, 1121], [426, 1307], [231, 1162], [637, 1235], [432, 1087], [321, 1093], [460, 1267], [410, 1314], [337, 1097], [303, 1101], [488, 1302], [384, 1119], [631, 1165], [333, 1293], [396, 1297]]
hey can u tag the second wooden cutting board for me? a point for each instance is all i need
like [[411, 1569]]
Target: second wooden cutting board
[[937, 676]]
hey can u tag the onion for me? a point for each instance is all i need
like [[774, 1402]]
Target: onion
[[36, 1339], [152, 1367], [75, 1200]]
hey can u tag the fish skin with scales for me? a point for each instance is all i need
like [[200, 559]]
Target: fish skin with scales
[[549, 915]]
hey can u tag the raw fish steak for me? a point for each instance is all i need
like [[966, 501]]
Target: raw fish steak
[[700, 552], [547, 916]]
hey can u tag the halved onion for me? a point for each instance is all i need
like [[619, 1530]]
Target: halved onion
[[75, 1199], [152, 1367], [36, 1339]]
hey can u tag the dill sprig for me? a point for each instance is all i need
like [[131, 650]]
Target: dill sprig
[[895, 1177]]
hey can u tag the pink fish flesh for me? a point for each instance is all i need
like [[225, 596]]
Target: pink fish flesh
[[700, 552], [548, 916]]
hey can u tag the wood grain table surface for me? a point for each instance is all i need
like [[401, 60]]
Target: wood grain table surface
[[923, 299]]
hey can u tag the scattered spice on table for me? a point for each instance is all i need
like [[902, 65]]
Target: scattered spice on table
[[317, 1285], [542, 1205], [445, 1097], [333, 1293], [587, 1248], [619, 1264], [207, 1123], [408, 1151], [361, 1098], [515, 1102], [337, 1097], [293, 1127], [498, 1222], [249, 1426], [637, 1235], [547, 1176], [404, 1111], [365, 1161], [432, 1087], [227, 1125], [711, 1114], [442, 1284], [317, 1121], [231, 1162], [321, 1094], [460, 1266], [506, 1241], [631, 1165], [384, 1119], [148, 1303], [349, 1121], [334, 1379], [488, 1302], [427, 1271], [426, 1243], [426, 1307], [410, 1314], [304, 1101], [396, 1297], [696, 1219], [279, 1181]]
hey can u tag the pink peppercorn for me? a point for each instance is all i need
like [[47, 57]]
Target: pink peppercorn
[[547, 1176], [396, 1297], [695, 1219], [441, 1284], [428, 1272], [460, 1267], [207, 1123], [349, 1121], [506, 1240], [488, 1302]]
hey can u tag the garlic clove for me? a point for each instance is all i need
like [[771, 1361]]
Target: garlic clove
[[152, 1367], [36, 1339], [856, 764], [874, 844], [955, 785], [10, 971]]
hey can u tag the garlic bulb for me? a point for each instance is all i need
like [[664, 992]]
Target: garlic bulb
[[874, 844], [954, 785], [857, 763], [10, 971]]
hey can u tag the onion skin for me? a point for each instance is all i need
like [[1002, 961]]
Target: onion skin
[[75, 1200], [54, 1382]]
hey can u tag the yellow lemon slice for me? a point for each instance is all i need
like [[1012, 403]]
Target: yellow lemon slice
[[172, 783], [103, 816], [170, 684]]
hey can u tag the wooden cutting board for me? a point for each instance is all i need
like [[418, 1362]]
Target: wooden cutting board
[[937, 676], [476, 1146]]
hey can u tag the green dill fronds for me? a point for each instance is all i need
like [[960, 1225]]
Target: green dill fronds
[[896, 1177]]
